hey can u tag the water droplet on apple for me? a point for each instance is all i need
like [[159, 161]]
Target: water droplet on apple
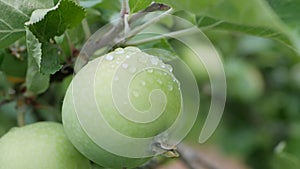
[[109, 57], [170, 87], [136, 94], [143, 59], [163, 65], [125, 65], [119, 51], [169, 67], [143, 83], [116, 78], [150, 70], [132, 69], [159, 81], [154, 61]]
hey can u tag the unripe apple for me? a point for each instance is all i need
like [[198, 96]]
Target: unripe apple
[[41, 145], [117, 106]]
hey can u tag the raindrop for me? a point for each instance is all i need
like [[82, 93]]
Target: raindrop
[[170, 87], [136, 94], [150, 70], [143, 83], [132, 70], [143, 59], [163, 65], [170, 68], [119, 51], [125, 65], [127, 56], [116, 78], [109, 57], [159, 81], [154, 61]]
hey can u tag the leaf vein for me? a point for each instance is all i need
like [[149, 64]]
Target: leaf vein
[[18, 10]]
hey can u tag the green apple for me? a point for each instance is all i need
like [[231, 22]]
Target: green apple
[[117, 100], [41, 145]]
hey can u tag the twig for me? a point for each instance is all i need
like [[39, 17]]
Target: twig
[[112, 37], [193, 159], [142, 27], [21, 118], [125, 8], [21, 110], [153, 7]]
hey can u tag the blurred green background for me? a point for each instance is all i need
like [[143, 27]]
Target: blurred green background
[[261, 123]]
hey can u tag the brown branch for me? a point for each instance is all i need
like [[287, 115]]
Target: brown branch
[[193, 159]]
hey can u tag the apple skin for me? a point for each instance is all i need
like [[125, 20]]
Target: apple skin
[[41, 145], [104, 77]]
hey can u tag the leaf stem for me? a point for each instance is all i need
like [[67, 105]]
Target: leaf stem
[[86, 28]]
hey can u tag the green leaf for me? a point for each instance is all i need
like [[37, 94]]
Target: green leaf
[[137, 5], [36, 82], [205, 23], [50, 62], [47, 23], [288, 12], [89, 3], [13, 14], [195, 6], [4, 86], [282, 159], [19, 61], [276, 19]]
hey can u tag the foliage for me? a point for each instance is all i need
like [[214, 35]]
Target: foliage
[[40, 40]]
